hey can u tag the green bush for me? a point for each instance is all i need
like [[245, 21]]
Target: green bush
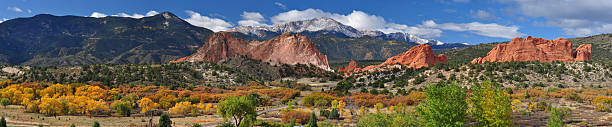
[[387, 120], [445, 106], [556, 117], [490, 105]]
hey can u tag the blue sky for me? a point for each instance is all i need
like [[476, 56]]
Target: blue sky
[[470, 21]]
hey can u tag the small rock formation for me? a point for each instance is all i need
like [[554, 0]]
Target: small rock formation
[[284, 49], [417, 57], [350, 68], [583, 52], [536, 49]]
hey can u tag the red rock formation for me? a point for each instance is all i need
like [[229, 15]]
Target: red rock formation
[[417, 57], [583, 52], [534, 49], [284, 49], [350, 68]]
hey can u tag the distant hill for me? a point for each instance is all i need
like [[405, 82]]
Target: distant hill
[[46, 40]]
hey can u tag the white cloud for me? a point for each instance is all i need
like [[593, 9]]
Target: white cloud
[[357, 19], [481, 14], [281, 5], [135, 15], [29, 11], [15, 9], [252, 19], [152, 13], [489, 30], [213, 24], [575, 17], [97, 15]]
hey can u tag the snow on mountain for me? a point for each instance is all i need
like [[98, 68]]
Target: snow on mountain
[[313, 25], [328, 25]]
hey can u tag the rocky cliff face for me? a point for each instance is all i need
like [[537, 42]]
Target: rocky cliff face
[[350, 68], [536, 49], [417, 57], [583, 52], [284, 49]]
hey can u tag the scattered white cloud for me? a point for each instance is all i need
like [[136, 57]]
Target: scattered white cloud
[[135, 15], [575, 17], [252, 19], [29, 11], [357, 19], [217, 15], [213, 24], [15, 9], [481, 14], [97, 15], [489, 30], [281, 5], [151, 13]]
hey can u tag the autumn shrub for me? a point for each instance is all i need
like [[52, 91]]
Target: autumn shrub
[[310, 100], [299, 117], [445, 105], [183, 108], [490, 105], [411, 99], [603, 103]]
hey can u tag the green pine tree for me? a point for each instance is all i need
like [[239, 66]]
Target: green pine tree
[[96, 124], [313, 120], [164, 121], [2, 122]]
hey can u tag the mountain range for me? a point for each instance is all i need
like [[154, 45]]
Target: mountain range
[[329, 26], [48, 40]]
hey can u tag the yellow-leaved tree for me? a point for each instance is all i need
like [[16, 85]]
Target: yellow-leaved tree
[[147, 104], [50, 106], [182, 108]]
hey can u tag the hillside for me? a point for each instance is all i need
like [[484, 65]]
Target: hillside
[[72, 40]]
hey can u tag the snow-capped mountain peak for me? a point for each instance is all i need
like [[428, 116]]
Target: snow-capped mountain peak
[[313, 25], [329, 26]]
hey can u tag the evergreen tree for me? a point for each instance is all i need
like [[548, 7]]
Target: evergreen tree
[[164, 121], [313, 120], [96, 124], [2, 122]]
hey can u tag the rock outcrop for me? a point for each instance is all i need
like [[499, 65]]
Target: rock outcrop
[[583, 52], [285, 49], [350, 68], [418, 56], [536, 49]]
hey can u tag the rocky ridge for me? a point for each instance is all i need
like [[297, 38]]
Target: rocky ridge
[[285, 49], [536, 49]]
